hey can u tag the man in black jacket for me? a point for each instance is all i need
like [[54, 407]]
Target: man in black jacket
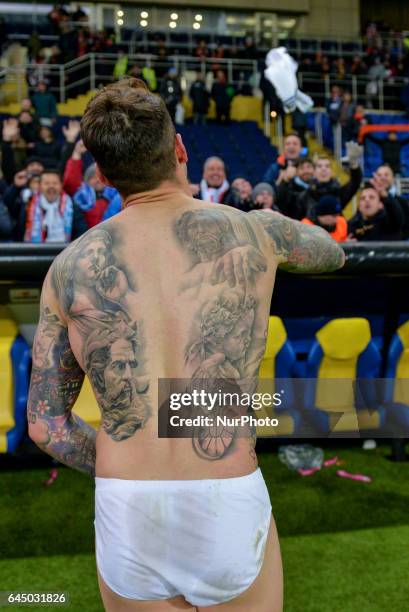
[[291, 187], [379, 216], [391, 149], [221, 97], [385, 177], [171, 91], [200, 98], [240, 195], [324, 183]]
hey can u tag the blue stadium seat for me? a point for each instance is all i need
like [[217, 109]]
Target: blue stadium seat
[[278, 364], [396, 389], [15, 362], [232, 143], [373, 153], [345, 354], [301, 333]]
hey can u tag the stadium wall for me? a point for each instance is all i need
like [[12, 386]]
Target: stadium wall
[[296, 6], [331, 18], [323, 18]]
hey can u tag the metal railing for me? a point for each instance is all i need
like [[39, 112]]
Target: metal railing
[[383, 94], [95, 69]]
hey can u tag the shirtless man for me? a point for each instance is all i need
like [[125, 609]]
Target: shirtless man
[[182, 290]]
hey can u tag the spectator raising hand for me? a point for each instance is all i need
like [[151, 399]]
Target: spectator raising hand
[[71, 131], [13, 149], [11, 131], [287, 173], [20, 179]]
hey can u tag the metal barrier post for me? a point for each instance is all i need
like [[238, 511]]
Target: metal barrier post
[[256, 79], [92, 74], [337, 132], [354, 90], [229, 71], [354, 204], [318, 127], [62, 83], [279, 132], [267, 125], [327, 86], [19, 76]]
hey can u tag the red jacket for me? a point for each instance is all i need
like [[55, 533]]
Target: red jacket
[[72, 182], [72, 176]]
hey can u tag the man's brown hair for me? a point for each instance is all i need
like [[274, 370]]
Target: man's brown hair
[[130, 133], [293, 133], [321, 158], [303, 160]]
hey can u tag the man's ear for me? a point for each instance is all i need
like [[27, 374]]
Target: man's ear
[[101, 177], [180, 150]]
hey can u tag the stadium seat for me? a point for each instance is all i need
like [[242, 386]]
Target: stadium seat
[[14, 382], [396, 389], [301, 333], [86, 406], [343, 350], [278, 363], [373, 153], [232, 144]]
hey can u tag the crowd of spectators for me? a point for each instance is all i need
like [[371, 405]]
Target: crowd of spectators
[[50, 191], [306, 190]]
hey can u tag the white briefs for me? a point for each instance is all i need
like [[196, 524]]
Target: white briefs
[[203, 539]]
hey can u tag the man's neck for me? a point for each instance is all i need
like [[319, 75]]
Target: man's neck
[[162, 193]]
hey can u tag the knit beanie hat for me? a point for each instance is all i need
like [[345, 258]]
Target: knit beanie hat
[[260, 188]]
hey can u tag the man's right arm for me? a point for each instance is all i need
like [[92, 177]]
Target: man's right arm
[[300, 248]]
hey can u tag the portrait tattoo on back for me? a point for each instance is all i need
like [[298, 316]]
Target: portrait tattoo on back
[[227, 339], [97, 294]]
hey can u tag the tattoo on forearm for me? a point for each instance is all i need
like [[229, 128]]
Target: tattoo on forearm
[[56, 381], [306, 248]]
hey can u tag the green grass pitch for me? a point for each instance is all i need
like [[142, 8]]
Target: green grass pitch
[[345, 544]]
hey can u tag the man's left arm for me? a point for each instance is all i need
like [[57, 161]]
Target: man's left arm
[[56, 381], [348, 190], [354, 154]]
